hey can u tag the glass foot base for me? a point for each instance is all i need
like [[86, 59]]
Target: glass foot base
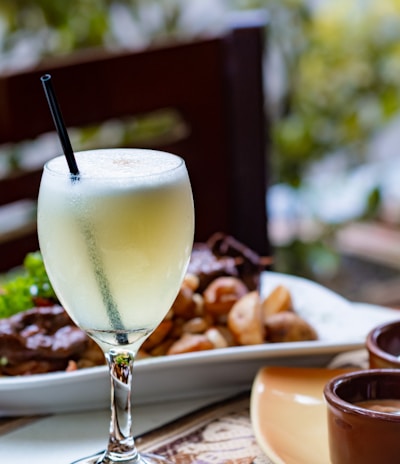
[[145, 458]]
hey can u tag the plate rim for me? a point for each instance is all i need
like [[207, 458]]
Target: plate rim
[[232, 354]]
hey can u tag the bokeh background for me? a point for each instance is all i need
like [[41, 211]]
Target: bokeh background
[[332, 81]]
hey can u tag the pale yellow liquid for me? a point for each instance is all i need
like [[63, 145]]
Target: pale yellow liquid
[[116, 242]]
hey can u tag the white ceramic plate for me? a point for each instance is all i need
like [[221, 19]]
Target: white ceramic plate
[[341, 326]]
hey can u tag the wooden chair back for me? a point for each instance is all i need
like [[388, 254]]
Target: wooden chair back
[[214, 84]]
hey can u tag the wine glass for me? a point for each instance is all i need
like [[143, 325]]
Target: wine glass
[[116, 240]]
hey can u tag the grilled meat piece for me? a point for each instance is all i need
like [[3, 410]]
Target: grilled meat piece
[[41, 339]]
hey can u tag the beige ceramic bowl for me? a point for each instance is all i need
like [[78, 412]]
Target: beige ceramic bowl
[[383, 344], [359, 435]]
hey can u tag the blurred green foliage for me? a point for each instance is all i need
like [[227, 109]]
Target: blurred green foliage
[[62, 26], [58, 26], [334, 67], [340, 62], [346, 86]]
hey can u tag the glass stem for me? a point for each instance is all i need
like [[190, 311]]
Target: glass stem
[[121, 445]]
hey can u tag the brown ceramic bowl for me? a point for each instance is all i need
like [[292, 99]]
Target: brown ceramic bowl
[[359, 435], [383, 345]]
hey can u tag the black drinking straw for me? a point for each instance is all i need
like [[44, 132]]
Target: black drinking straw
[[59, 123], [101, 278]]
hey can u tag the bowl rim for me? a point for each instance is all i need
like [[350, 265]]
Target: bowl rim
[[336, 402], [372, 342]]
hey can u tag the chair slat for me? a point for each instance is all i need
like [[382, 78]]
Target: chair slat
[[216, 85]]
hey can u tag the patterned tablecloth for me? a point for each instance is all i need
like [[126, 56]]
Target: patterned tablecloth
[[219, 433]]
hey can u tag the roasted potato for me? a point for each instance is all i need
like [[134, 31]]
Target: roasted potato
[[288, 327], [222, 294], [245, 320], [277, 301]]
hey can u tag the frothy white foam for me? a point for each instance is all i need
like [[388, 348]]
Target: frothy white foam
[[118, 163]]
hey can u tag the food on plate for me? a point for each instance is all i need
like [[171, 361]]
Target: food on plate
[[288, 327], [243, 323], [245, 320], [277, 301], [219, 305], [222, 293], [44, 339], [223, 255], [188, 343], [27, 289]]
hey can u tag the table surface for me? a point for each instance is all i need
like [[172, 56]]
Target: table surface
[[182, 430], [205, 429]]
